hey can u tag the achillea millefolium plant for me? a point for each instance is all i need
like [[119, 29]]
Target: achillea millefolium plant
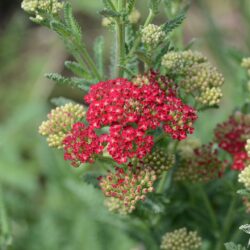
[[137, 116]]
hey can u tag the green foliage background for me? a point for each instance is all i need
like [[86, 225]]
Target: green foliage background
[[44, 203]]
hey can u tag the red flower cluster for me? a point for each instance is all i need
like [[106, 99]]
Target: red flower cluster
[[81, 144], [203, 166], [131, 110], [232, 135], [127, 187]]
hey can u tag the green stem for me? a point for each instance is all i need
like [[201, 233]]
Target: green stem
[[120, 40], [90, 63], [138, 38], [227, 224], [161, 185], [5, 235], [209, 208]]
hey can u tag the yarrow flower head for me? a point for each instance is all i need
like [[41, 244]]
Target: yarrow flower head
[[244, 177], [181, 239], [59, 123], [232, 136], [198, 76], [39, 7], [82, 144], [125, 187], [131, 109], [203, 166], [152, 35], [159, 161]]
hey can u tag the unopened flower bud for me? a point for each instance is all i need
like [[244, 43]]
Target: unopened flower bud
[[60, 122], [152, 35], [125, 192]]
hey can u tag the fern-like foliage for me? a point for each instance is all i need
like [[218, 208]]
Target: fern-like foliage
[[174, 23], [131, 5], [61, 101], [233, 246], [77, 69], [73, 82]]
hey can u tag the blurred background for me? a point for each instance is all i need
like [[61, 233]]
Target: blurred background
[[44, 199]]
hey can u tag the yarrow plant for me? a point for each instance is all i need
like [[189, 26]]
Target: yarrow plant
[[133, 125]]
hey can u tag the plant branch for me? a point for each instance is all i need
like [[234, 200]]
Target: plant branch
[[227, 224], [120, 39]]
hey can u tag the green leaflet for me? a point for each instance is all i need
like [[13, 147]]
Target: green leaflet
[[108, 4], [61, 101], [77, 69], [73, 82], [131, 5], [154, 6], [62, 30], [244, 192], [174, 23], [71, 22], [233, 246], [109, 13]]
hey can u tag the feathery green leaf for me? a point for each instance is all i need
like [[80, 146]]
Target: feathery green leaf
[[71, 22], [174, 23], [73, 82], [61, 101], [109, 13], [131, 5], [77, 69]]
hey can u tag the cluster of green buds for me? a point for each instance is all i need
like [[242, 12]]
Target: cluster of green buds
[[202, 166], [125, 187], [39, 7], [133, 18], [152, 35], [59, 123], [159, 161], [181, 239], [198, 77], [244, 177]]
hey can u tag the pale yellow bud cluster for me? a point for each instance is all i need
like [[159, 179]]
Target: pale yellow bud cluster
[[248, 147], [38, 7], [141, 80], [107, 21], [152, 35], [199, 77], [181, 239], [186, 147], [244, 177], [59, 123], [115, 205], [246, 64], [134, 16], [180, 62]]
